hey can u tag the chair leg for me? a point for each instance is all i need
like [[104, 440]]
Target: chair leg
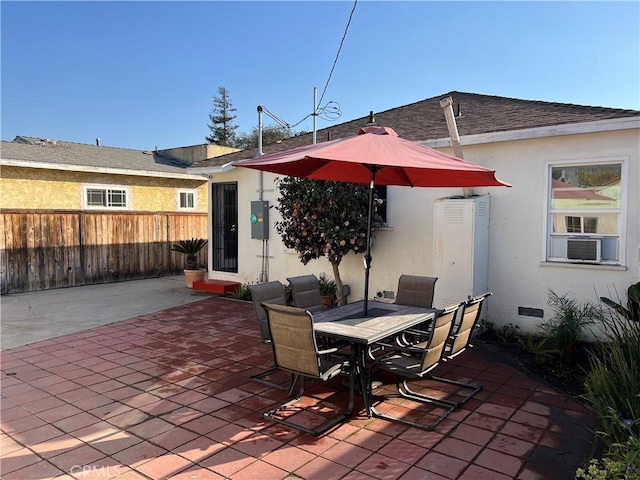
[[260, 379], [474, 388], [450, 407], [271, 415]]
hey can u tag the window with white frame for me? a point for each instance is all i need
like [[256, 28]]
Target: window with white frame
[[186, 200], [112, 198], [585, 210]]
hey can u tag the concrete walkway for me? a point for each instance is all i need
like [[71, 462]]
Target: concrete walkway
[[30, 317]]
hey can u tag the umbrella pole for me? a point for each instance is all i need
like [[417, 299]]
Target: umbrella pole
[[367, 257]]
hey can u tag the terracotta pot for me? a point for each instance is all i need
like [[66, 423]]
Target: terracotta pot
[[327, 300], [194, 276]]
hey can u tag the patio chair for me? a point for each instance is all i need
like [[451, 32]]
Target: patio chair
[[268, 292], [416, 362], [295, 350], [305, 291], [413, 291], [460, 339], [416, 291]]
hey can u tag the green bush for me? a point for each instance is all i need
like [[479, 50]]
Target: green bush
[[566, 326], [614, 378], [241, 293], [622, 461]]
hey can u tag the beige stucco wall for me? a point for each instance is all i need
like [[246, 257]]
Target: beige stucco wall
[[195, 153], [22, 187], [517, 274]]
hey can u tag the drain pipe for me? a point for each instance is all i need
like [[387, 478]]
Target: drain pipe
[[447, 106], [264, 276]]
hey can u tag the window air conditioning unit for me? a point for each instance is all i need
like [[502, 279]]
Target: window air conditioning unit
[[584, 249]]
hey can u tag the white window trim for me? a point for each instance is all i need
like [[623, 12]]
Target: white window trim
[[624, 200], [126, 189], [195, 199]]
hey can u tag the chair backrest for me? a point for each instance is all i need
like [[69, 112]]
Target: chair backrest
[[463, 329], [293, 339], [305, 291], [434, 346], [416, 291], [268, 292]]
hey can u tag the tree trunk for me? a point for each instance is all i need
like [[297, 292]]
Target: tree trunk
[[338, 280]]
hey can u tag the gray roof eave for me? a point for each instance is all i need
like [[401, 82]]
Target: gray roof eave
[[113, 171]]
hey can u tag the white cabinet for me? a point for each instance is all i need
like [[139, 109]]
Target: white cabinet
[[461, 253]]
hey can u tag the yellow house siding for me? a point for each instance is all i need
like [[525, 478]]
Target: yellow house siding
[[34, 188]]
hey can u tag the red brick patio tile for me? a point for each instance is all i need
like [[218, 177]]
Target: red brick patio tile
[[56, 446], [368, 439], [523, 432], [321, 469], [197, 473], [39, 434], [458, 448], [75, 422], [261, 470], [16, 460], [404, 451], [84, 455], [257, 445], [347, 454], [289, 458], [511, 445], [21, 424], [530, 419], [474, 472], [204, 424], [499, 462], [36, 471], [227, 462], [138, 454], [43, 403], [383, 467], [151, 428], [199, 448], [444, 465], [164, 466]]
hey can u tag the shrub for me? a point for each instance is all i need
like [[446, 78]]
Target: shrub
[[566, 326], [614, 379], [241, 293]]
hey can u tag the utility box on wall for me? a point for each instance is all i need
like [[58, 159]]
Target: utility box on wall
[[260, 220], [461, 238]]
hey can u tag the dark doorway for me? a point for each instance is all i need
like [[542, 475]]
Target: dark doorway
[[225, 227]]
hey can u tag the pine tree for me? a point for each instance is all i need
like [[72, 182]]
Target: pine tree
[[223, 131]]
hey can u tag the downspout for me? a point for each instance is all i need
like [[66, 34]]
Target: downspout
[[264, 276], [447, 106]]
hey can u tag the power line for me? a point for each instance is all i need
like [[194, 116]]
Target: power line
[[331, 111], [339, 49]]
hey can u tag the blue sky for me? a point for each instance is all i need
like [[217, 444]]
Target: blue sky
[[144, 74]]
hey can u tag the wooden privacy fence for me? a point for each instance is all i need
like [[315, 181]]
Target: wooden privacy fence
[[41, 250]]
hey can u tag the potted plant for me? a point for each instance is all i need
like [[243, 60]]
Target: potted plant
[[328, 289], [190, 248]]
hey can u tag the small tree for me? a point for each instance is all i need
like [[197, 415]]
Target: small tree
[[323, 219], [270, 134], [223, 131]]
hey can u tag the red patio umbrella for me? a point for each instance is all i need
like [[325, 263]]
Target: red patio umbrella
[[378, 156]]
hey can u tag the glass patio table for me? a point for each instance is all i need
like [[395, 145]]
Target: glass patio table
[[347, 323]]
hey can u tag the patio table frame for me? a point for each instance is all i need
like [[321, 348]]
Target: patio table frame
[[347, 324]]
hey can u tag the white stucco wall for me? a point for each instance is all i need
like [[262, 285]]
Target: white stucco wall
[[517, 274]]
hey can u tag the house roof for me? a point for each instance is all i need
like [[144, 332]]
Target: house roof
[[424, 120], [45, 153]]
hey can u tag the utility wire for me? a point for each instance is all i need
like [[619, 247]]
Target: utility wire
[[339, 49], [329, 111]]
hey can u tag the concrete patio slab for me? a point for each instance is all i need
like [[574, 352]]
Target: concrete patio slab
[[29, 317]]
